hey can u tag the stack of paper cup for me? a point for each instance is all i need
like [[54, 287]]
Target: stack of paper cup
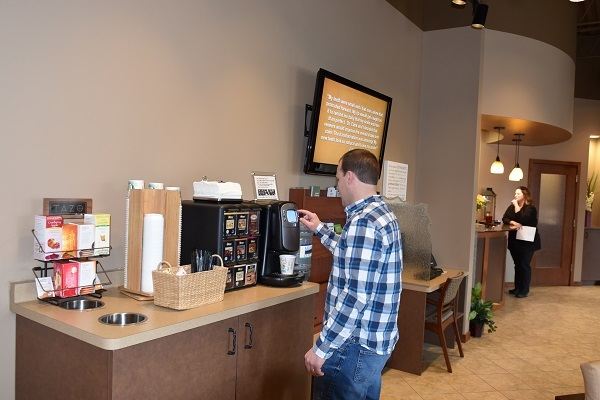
[[152, 248], [136, 184]]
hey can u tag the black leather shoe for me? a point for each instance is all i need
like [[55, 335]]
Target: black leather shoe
[[521, 295], [513, 292]]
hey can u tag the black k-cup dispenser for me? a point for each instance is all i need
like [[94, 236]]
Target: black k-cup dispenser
[[229, 229], [280, 227]]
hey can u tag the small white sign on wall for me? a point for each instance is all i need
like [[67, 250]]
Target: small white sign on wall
[[395, 178]]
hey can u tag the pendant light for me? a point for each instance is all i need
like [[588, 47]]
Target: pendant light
[[517, 173], [497, 167], [479, 14]]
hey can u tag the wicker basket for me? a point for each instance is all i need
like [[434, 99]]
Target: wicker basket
[[190, 290]]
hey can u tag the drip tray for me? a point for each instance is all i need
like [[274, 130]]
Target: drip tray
[[81, 304], [123, 319]]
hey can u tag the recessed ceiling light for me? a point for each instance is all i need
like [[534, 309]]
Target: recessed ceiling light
[[594, 136], [575, 1], [459, 2]]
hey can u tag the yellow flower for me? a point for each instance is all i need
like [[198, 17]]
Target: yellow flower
[[480, 201]]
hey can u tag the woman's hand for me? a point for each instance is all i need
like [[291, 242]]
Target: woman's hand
[[515, 203], [515, 225]]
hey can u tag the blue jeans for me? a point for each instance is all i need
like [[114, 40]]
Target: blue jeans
[[351, 373]]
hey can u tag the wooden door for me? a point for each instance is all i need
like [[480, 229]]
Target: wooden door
[[272, 344], [194, 364], [554, 187]]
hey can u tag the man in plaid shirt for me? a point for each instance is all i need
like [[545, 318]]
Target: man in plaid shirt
[[363, 294]]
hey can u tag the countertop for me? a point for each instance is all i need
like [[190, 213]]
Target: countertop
[[480, 228], [417, 285], [161, 322]]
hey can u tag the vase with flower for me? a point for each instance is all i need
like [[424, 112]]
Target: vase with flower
[[480, 202]]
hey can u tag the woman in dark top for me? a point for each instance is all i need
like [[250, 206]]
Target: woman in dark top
[[521, 212]]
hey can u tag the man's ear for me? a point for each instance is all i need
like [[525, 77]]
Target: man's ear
[[351, 177]]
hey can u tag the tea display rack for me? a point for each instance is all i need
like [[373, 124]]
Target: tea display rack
[[84, 254]]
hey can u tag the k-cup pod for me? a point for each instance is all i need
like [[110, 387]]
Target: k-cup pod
[[173, 188], [136, 184], [156, 185]]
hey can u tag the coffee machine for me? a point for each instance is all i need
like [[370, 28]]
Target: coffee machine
[[280, 226]]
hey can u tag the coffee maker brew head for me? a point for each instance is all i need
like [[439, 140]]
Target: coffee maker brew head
[[285, 228]]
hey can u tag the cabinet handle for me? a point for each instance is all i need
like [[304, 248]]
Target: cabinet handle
[[249, 325], [232, 352]]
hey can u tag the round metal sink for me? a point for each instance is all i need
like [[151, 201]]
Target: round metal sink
[[122, 319], [81, 304]]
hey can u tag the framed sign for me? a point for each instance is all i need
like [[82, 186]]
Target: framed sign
[[67, 208], [395, 178], [265, 186]]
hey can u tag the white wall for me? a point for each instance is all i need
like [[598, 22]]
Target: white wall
[[528, 79], [449, 142], [96, 93]]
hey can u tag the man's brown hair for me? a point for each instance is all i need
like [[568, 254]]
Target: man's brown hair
[[363, 163]]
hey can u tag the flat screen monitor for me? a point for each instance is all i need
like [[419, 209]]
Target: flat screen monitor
[[345, 116]]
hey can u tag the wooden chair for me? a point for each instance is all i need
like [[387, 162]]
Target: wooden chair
[[442, 310]]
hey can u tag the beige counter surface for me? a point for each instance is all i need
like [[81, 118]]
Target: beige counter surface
[[161, 322], [410, 283]]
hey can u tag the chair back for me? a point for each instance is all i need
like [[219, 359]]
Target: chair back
[[450, 288]]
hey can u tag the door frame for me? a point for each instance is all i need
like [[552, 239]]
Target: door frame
[[577, 165]]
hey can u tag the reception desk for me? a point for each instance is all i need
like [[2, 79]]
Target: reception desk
[[490, 262]]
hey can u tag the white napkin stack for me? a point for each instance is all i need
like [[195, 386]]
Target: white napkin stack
[[217, 190]]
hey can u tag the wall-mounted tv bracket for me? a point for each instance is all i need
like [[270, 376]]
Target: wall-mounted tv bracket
[[307, 108]]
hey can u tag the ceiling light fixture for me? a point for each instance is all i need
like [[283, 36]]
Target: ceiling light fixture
[[497, 167], [517, 173], [575, 1], [479, 14], [459, 2], [594, 136]]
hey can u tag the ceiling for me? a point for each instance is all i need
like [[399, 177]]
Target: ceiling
[[554, 22], [536, 133], [587, 65], [588, 25]]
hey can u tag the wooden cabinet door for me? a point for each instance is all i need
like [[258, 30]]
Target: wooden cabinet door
[[270, 361], [194, 364]]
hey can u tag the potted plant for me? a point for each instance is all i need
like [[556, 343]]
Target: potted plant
[[481, 313]]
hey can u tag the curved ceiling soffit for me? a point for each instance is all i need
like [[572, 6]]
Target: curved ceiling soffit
[[536, 133]]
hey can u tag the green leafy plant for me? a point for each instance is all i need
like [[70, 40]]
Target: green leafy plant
[[481, 310], [591, 183], [591, 188]]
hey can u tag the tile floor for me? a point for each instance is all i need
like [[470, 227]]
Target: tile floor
[[534, 354]]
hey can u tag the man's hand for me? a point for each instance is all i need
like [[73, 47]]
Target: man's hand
[[313, 363], [309, 219]]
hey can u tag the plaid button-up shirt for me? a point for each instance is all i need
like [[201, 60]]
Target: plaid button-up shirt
[[363, 293]]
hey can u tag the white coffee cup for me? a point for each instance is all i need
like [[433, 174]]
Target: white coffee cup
[[287, 263], [136, 184]]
